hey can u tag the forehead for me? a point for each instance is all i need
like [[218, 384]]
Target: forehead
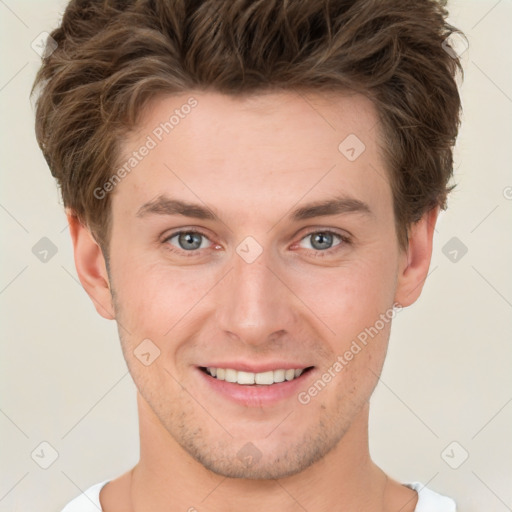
[[261, 150]]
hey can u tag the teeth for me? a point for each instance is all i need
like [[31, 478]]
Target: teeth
[[265, 378], [244, 377], [248, 378], [279, 375], [231, 375]]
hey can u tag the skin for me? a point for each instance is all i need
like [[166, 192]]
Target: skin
[[251, 161]]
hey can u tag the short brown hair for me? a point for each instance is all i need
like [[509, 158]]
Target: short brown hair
[[113, 56]]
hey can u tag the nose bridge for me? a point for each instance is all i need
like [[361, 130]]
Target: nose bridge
[[252, 302]]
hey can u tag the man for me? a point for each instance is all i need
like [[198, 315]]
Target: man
[[251, 190]]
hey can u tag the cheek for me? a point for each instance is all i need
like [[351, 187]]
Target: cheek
[[152, 298], [350, 297]]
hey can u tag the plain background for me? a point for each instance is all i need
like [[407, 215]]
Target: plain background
[[446, 389]]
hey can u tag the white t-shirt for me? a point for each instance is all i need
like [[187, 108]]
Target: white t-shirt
[[428, 501]]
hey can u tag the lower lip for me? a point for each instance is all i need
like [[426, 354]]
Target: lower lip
[[256, 395]]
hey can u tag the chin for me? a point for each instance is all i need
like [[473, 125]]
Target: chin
[[263, 459]]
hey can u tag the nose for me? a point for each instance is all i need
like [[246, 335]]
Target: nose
[[253, 302]]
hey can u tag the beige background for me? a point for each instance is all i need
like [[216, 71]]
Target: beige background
[[448, 375]]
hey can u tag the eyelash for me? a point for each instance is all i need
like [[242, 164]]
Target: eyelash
[[344, 241]]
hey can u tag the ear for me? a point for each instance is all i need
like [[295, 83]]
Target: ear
[[91, 267], [415, 262]]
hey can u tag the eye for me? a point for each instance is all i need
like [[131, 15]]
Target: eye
[[322, 241], [189, 241]]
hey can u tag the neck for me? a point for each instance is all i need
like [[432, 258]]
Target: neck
[[168, 479]]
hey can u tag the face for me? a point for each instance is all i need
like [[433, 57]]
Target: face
[[256, 278]]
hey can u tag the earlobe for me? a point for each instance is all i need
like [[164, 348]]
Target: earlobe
[[414, 266], [91, 267]]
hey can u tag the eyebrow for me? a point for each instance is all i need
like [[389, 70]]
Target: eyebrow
[[163, 205]]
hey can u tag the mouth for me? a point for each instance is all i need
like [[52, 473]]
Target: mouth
[[266, 378]]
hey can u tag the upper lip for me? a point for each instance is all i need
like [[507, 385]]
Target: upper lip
[[257, 368]]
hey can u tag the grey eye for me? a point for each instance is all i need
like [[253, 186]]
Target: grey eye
[[188, 240], [322, 240]]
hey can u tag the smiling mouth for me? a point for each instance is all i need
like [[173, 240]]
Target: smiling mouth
[[252, 379]]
